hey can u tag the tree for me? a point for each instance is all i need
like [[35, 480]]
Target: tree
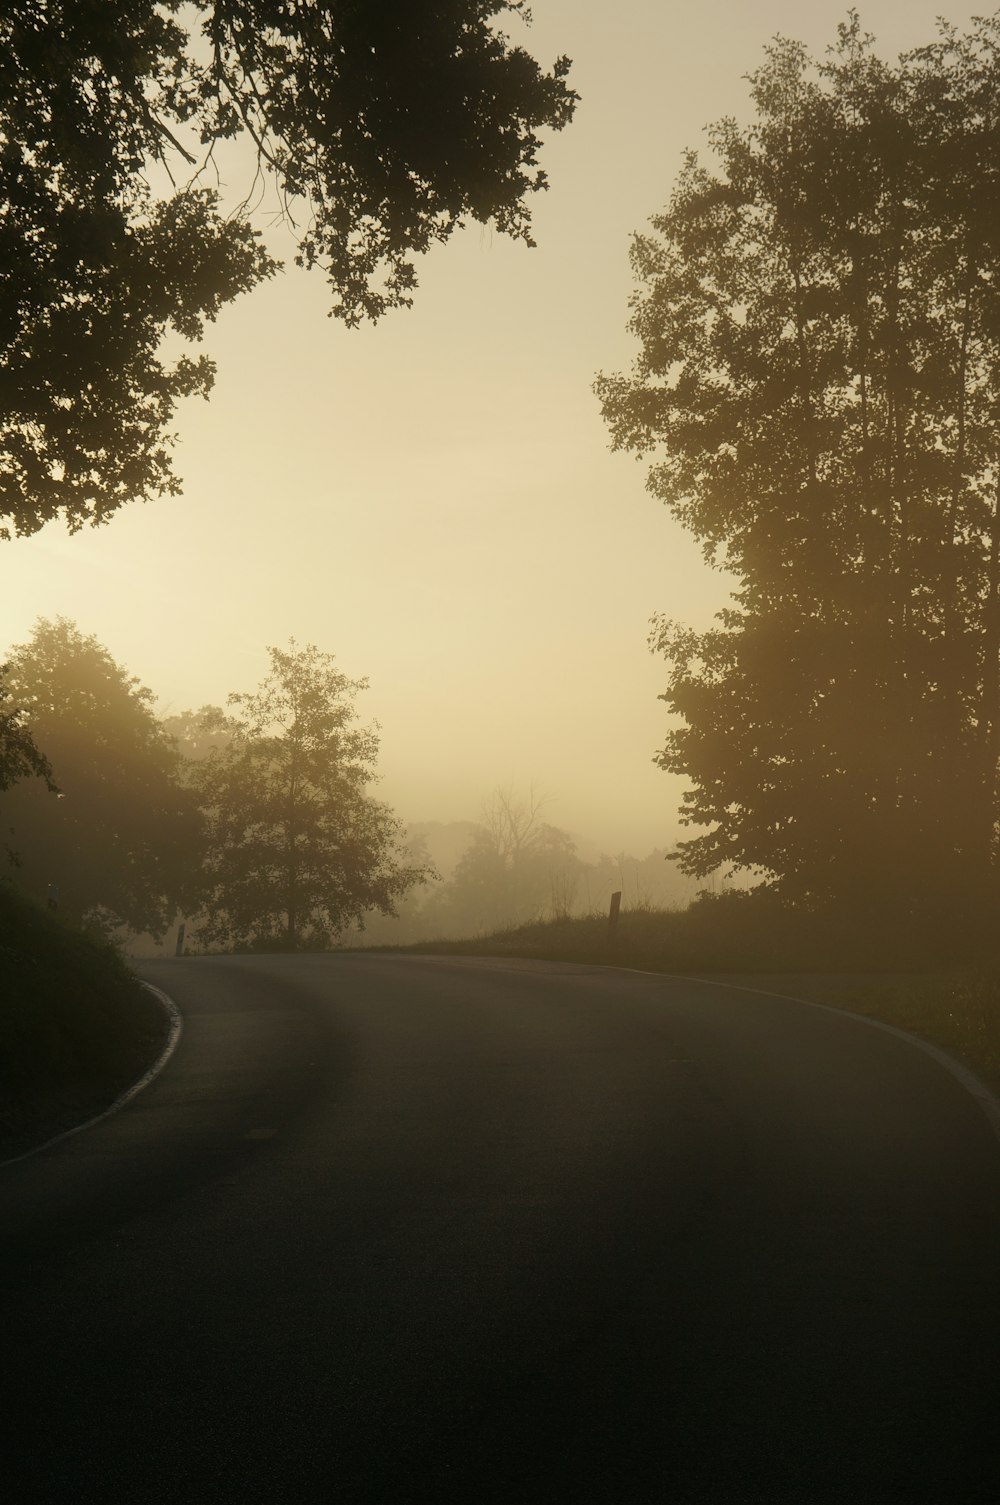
[[819, 382], [516, 867], [197, 733], [297, 848], [121, 842], [20, 758], [382, 127]]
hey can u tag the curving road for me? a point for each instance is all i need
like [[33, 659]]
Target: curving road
[[390, 1228]]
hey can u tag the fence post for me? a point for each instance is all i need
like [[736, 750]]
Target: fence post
[[616, 900], [179, 948]]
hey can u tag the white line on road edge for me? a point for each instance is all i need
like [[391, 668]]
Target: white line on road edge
[[174, 1018], [987, 1101]]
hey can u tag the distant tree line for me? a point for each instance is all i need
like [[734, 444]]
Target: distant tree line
[[512, 868], [256, 822]]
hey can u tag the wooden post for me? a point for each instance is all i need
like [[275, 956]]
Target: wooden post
[[179, 948], [616, 901]]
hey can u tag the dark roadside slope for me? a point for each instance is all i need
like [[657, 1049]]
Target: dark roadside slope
[[76, 1028]]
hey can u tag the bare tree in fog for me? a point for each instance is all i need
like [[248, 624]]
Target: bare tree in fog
[[819, 386], [514, 826], [516, 867]]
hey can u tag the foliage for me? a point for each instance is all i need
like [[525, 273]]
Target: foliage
[[197, 733], [121, 840], [19, 757], [383, 127], [819, 383], [297, 848]]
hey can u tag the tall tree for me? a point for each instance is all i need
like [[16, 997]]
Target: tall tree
[[383, 127], [297, 847], [121, 842], [819, 384]]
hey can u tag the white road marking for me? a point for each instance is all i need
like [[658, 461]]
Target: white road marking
[[173, 1014]]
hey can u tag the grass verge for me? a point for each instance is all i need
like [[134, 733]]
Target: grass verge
[[76, 1028]]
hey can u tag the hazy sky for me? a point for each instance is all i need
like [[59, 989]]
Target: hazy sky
[[433, 500]]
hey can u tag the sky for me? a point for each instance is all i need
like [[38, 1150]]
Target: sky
[[433, 500]]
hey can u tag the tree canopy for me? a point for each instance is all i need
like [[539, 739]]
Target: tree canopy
[[297, 847], [121, 842], [20, 758], [382, 128], [818, 385]]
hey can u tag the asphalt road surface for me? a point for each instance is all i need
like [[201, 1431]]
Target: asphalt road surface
[[389, 1229]]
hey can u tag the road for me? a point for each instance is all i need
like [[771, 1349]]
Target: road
[[390, 1228]]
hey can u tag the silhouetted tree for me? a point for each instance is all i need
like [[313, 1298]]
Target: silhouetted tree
[[121, 842], [819, 382], [382, 127], [297, 848], [20, 758]]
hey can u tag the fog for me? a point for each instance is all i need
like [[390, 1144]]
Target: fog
[[433, 500]]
